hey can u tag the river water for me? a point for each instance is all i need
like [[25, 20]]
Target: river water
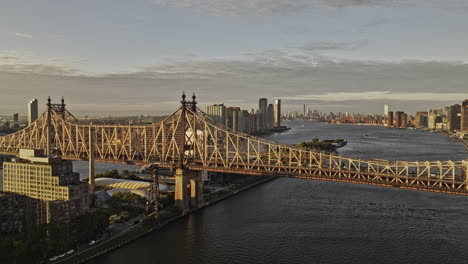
[[307, 221]]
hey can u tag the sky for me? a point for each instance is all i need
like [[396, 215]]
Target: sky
[[114, 57]]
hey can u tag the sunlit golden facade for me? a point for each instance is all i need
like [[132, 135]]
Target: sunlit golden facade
[[51, 182]]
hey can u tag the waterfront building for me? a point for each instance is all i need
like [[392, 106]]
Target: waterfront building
[[217, 112], [232, 118], [404, 120], [260, 121], [421, 119], [454, 117], [390, 119], [253, 121], [399, 119], [434, 117], [50, 181], [32, 111], [464, 117], [270, 116], [386, 110], [263, 110], [228, 120], [244, 121], [277, 110]]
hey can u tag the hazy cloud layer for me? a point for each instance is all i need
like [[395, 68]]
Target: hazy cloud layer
[[327, 45], [325, 83], [236, 7], [22, 35], [266, 7]]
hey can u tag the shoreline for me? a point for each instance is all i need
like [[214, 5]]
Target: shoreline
[[144, 231]]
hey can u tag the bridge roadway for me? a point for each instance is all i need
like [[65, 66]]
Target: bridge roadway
[[189, 142]]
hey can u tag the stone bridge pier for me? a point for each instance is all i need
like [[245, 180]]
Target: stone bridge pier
[[188, 190]]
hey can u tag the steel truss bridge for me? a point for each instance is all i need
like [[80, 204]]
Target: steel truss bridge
[[188, 141]]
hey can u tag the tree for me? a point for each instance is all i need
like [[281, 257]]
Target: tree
[[128, 201], [111, 174]]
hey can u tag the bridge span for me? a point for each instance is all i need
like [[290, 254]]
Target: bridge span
[[188, 142]]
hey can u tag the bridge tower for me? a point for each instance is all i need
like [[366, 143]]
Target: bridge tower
[[188, 184]]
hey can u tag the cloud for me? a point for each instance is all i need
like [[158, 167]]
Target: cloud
[[40, 69], [328, 83], [14, 62], [268, 7], [328, 45], [8, 58], [239, 7], [377, 22], [22, 35]]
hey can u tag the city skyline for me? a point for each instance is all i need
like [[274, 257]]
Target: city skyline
[[336, 55]]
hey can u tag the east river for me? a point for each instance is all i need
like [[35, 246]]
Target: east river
[[307, 221]]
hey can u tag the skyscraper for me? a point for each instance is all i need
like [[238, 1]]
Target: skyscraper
[[232, 118], [263, 108], [217, 112], [464, 117], [15, 119], [390, 120], [434, 117], [421, 119], [270, 116], [453, 117], [277, 113], [400, 119], [32, 111], [386, 109]]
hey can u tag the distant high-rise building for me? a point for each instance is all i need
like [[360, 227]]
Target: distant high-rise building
[[399, 119], [454, 117], [217, 112], [386, 109], [232, 118], [421, 119], [277, 113], [270, 116], [464, 117], [253, 121], [263, 108], [389, 119], [260, 120], [15, 119], [434, 116], [32, 111], [244, 121], [304, 113], [404, 121]]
